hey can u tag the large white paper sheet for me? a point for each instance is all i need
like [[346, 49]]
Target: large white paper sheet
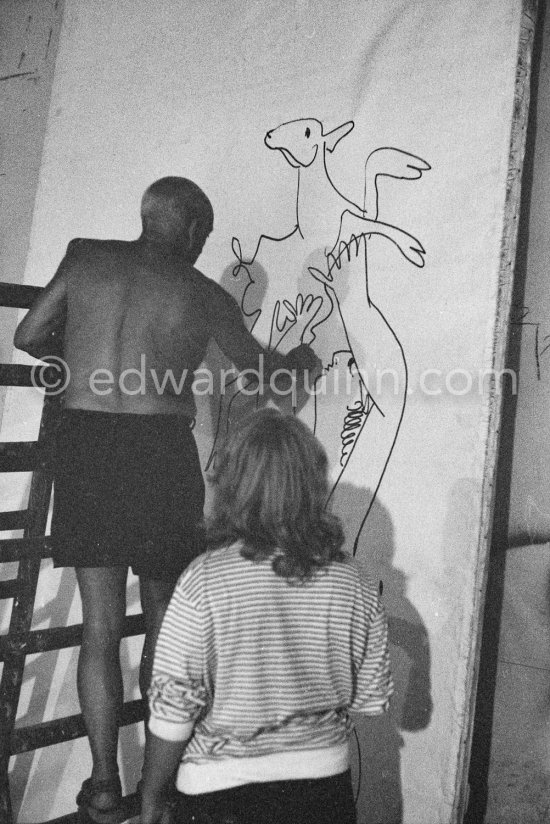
[[310, 122]]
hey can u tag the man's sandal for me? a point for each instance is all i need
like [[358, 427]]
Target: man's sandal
[[88, 813]]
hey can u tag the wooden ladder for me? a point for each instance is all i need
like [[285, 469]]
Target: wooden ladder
[[20, 640]]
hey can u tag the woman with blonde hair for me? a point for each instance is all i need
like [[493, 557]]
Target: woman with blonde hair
[[271, 637]]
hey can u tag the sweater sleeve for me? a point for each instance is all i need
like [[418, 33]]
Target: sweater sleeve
[[177, 694], [373, 683]]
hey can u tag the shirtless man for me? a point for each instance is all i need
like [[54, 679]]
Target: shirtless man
[[128, 484]]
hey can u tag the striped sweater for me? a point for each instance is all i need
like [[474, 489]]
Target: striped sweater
[[255, 665]]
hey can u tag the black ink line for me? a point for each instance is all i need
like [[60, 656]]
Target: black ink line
[[526, 312], [522, 322], [242, 263], [405, 166], [522, 664], [353, 423], [537, 357], [255, 314], [545, 348], [48, 44], [398, 427], [17, 74]]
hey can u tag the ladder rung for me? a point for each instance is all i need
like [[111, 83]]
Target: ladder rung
[[19, 549], [55, 638], [131, 805], [20, 374], [18, 296], [8, 589], [15, 374], [65, 729], [19, 456], [28, 551], [13, 520], [70, 818]]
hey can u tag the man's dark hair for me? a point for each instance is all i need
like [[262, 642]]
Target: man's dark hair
[[169, 206], [270, 492]]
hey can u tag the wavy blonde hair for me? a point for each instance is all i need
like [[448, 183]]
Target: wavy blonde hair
[[270, 491]]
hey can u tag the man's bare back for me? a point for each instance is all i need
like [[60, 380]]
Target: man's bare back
[[137, 321], [132, 308]]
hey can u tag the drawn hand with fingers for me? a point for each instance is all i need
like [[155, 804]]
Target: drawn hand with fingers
[[294, 324]]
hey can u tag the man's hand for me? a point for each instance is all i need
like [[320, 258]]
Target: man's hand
[[40, 333], [303, 359]]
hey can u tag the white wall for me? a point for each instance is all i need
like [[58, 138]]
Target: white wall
[[29, 31], [143, 90]]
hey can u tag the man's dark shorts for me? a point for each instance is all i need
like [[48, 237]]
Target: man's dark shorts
[[128, 491]]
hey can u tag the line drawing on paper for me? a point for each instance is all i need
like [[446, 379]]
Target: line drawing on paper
[[325, 246]]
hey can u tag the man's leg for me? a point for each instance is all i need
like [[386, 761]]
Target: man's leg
[[100, 689], [155, 597]]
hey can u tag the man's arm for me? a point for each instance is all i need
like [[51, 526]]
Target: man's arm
[[40, 333], [242, 348], [162, 758]]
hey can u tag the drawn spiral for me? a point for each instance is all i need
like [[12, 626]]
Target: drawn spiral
[[52, 375]]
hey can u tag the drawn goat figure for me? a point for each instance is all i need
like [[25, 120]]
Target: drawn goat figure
[[330, 234], [320, 206]]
